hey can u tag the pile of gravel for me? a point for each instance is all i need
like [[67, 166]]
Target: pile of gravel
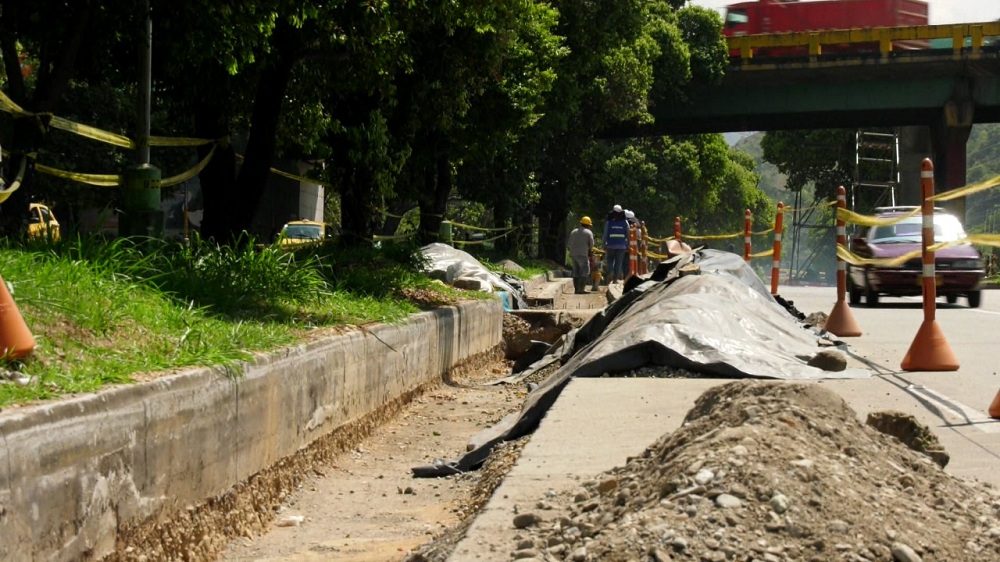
[[770, 472]]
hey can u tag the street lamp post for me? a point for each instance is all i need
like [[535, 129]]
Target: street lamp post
[[141, 214]]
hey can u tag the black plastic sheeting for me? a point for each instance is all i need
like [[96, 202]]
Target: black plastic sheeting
[[447, 263], [721, 322]]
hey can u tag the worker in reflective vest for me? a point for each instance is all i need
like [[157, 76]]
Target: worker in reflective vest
[[616, 244]]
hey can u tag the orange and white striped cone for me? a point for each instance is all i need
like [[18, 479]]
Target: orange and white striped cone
[[995, 407], [841, 320], [633, 258], [16, 340], [779, 220], [930, 350], [747, 225]]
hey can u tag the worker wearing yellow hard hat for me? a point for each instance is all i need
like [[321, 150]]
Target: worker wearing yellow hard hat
[[581, 244]]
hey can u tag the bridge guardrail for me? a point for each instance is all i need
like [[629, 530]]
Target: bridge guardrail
[[745, 45]]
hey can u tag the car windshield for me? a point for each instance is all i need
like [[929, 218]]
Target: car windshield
[[947, 228], [302, 231]]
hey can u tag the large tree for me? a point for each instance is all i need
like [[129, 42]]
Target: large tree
[[624, 57]]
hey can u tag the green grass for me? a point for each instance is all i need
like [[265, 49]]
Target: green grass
[[532, 268], [106, 313]]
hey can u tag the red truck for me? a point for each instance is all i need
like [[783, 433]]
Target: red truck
[[782, 16]]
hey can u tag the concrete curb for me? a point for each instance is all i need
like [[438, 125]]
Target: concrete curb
[[75, 472]]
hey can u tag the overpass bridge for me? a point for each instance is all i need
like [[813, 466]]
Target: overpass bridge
[[879, 77]]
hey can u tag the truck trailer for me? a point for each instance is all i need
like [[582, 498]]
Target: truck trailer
[[781, 16], [785, 16]]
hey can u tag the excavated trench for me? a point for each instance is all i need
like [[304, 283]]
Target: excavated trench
[[290, 511]]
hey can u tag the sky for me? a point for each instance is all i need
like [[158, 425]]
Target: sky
[[941, 11]]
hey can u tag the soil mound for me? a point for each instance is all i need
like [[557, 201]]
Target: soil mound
[[771, 472]]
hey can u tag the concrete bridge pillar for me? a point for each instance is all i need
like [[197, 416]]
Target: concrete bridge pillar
[[914, 146], [948, 138]]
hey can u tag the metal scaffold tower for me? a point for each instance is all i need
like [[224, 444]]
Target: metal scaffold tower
[[876, 170], [804, 219]]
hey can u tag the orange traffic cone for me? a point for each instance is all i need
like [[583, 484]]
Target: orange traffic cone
[[930, 350], [16, 340], [841, 321], [995, 407]]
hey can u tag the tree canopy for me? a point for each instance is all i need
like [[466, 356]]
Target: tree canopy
[[390, 104]]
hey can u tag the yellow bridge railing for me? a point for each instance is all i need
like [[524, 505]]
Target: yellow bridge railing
[[965, 35]]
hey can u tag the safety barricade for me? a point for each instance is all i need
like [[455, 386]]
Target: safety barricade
[[779, 219], [747, 224], [930, 350], [633, 257], [841, 321]]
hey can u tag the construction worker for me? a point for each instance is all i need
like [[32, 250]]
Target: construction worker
[[616, 244], [581, 245]]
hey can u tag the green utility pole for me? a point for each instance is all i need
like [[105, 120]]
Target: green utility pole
[[141, 214]]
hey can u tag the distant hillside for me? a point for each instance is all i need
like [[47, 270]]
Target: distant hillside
[[983, 149], [772, 182]]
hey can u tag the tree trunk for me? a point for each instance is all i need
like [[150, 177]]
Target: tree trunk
[[434, 198], [218, 179], [357, 224], [394, 216], [271, 87], [552, 211]]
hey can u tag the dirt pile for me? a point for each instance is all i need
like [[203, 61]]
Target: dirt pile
[[769, 472]]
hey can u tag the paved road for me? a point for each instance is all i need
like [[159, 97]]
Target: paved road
[[597, 423]]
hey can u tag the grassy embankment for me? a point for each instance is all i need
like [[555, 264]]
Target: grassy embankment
[[105, 313]]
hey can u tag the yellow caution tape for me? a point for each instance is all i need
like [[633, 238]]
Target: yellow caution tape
[[381, 237], [178, 141], [659, 240], [290, 175], [91, 132], [763, 232], [8, 105], [984, 239], [656, 256], [854, 259], [809, 208], [479, 228], [115, 180], [763, 254], [186, 175], [713, 237], [864, 220], [10, 189], [475, 242], [967, 190], [99, 180], [303, 179]]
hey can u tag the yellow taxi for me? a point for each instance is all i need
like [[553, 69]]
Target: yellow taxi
[[42, 224], [301, 232]]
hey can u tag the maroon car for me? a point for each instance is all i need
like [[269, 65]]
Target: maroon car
[[959, 269]]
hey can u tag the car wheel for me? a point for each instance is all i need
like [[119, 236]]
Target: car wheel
[[871, 296], [951, 299], [853, 294], [975, 298]]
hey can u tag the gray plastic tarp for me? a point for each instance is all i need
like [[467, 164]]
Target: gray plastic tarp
[[448, 264], [720, 323]]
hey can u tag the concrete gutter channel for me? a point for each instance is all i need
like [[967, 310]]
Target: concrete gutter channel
[[84, 477]]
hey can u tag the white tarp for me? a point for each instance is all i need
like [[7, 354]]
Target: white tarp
[[451, 264]]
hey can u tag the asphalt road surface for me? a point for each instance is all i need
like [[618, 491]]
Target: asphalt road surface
[[956, 400]]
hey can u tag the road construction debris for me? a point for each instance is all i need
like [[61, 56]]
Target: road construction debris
[[768, 472]]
